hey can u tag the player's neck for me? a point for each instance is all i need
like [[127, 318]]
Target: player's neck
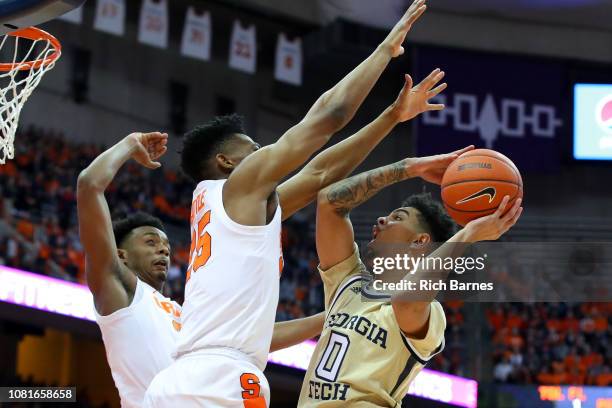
[[153, 283]]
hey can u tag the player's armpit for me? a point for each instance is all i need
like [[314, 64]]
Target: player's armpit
[[110, 294]]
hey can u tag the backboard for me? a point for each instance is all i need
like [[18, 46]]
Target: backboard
[[15, 14]]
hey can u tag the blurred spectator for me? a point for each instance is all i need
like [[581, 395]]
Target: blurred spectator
[[566, 343]]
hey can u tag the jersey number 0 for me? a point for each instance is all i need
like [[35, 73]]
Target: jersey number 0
[[333, 357]]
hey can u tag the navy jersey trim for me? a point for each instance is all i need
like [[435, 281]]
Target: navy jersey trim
[[412, 361], [342, 288]]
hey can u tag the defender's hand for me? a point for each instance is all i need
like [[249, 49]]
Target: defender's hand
[[396, 37], [412, 101], [149, 147], [491, 227], [432, 168]]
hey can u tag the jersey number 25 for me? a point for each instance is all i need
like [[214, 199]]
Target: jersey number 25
[[200, 246]]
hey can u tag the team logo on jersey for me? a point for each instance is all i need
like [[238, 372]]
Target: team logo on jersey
[[604, 114], [487, 191]]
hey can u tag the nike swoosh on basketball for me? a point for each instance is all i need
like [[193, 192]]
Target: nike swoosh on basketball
[[490, 191]]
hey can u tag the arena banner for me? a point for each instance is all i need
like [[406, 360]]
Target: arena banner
[[243, 48], [197, 35], [110, 16], [288, 63], [153, 25], [516, 105]]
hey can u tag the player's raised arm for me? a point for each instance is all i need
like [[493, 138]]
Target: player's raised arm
[[413, 315], [338, 161], [105, 276], [258, 175], [334, 231], [292, 332]]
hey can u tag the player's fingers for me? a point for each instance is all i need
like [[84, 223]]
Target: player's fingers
[[435, 79], [435, 107], [160, 152], [150, 139], [153, 135], [512, 211], [417, 13], [415, 4], [509, 224], [502, 207], [516, 216], [407, 82], [465, 149], [449, 158], [437, 90], [431, 77]]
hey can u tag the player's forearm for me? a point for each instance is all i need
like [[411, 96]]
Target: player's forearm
[[347, 194], [348, 94], [338, 161], [100, 173], [292, 332]]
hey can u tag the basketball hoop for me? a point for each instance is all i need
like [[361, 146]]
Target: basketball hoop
[[21, 76]]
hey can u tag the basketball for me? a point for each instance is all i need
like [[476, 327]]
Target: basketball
[[475, 184]]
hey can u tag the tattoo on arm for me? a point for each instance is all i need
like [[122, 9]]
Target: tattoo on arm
[[348, 194]]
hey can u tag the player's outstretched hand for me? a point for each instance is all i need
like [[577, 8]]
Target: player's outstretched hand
[[432, 168], [491, 227], [149, 148], [398, 33], [412, 101]]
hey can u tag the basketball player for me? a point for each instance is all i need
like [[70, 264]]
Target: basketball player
[[126, 266], [369, 352], [231, 293]]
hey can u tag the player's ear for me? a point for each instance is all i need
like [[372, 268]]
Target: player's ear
[[224, 162], [123, 255], [422, 239]]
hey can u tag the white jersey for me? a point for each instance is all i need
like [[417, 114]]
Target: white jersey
[[139, 341], [232, 282]]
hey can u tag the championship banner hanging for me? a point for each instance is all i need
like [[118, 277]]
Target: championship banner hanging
[[288, 65], [153, 26], [197, 35], [110, 16], [243, 50]]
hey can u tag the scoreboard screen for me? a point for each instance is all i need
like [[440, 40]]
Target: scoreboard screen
[[593, 122]]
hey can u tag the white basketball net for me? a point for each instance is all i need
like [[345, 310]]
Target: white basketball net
[[17, 85]]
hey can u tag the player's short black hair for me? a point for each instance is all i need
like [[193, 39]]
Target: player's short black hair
[[205, 141], [433, 217], [123, 226]]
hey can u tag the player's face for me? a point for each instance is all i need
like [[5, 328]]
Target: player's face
[[242, 146], [148, 254], [400, 226]]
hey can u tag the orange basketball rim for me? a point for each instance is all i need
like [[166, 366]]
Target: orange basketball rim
[[34, 34]]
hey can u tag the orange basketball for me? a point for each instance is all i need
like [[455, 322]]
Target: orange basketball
[[475, 184]]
